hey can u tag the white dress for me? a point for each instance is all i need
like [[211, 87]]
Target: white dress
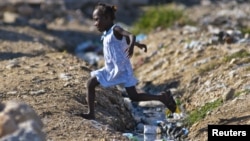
[[117, 69]]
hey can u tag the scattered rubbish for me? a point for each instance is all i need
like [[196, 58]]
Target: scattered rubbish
[[140, 37], [91, 57], [189, 29], [12, 64], [89, 52], [65, 76], [157, 123], [38, 92], [130, 136], [151, 129], [12, 92]]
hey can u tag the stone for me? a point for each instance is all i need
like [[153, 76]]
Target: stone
[[228, 94], [19, 121], [21, 112], [7, 125]]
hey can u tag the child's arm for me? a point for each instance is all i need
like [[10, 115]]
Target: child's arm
[[120, 32]]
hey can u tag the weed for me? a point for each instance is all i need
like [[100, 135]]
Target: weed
[[158, 16], [245, 30], [240, 54], [201, 113], [208, 67], [248, 68], [242, 92]]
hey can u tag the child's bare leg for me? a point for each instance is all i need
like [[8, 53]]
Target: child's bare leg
[[165, 97], [91, 84], [134, 96]]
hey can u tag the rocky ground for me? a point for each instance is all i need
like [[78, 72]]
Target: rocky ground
[[39, 68]]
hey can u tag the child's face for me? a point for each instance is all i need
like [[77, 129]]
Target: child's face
[[101, 21]]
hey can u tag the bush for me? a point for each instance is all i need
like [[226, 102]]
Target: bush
[[240, 54], [158, 16], [201, 113]]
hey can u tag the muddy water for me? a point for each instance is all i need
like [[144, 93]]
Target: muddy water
[[156, 123]]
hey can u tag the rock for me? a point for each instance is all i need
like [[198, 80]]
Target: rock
[[228, 94], [9, 17], [28, 131], [25, 10], [21, 112], [151, 129], [19, 120], [7, 125]]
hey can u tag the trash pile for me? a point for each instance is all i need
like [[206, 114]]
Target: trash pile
[[90, 52], [155, 122]]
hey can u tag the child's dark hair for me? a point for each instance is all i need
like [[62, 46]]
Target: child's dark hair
[[106, 9]]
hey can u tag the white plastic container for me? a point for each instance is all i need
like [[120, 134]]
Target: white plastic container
[[151, 129]]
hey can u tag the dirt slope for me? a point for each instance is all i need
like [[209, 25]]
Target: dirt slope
[[192, 88], [53, 82]]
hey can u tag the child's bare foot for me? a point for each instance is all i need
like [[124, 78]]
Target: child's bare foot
[[169, 101], [86, 116]]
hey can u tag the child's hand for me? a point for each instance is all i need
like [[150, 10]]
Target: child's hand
[[143, 46]]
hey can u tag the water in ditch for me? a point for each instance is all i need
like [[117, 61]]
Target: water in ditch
[[154, 122]]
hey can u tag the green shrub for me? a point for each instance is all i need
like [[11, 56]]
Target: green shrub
[[241, 92], [245, 30], [158, 16], [240, 54], [248, 68], [201, 113]]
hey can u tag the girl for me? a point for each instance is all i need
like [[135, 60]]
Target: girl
[[118, 47]]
